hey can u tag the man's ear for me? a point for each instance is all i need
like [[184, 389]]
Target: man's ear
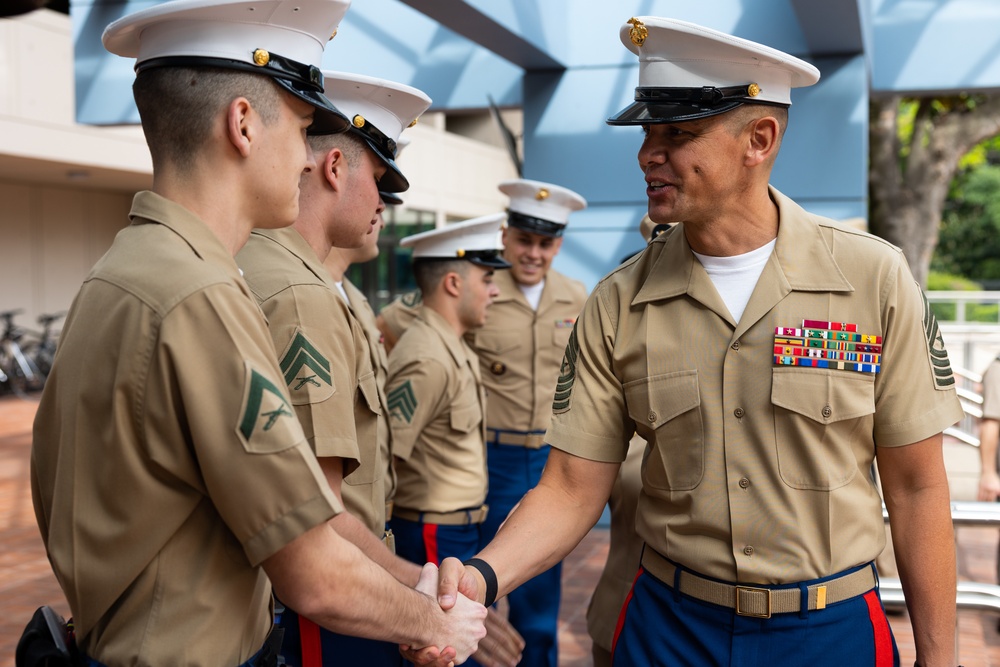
[[763, 141], [452, 283], [241, 125], [335, 169]]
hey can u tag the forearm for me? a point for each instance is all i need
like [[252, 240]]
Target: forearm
[[550, 520], [350, 528], [323, 577], [917, 497], [925, 554]]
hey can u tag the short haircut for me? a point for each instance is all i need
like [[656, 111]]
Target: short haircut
[[179, 105], [428, 273], [351, 146], [738, 118]]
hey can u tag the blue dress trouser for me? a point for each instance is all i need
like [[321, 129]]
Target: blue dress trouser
[[306, 644], [534, 606], [660, 627]]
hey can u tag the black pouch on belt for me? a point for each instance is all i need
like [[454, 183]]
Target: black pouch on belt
[[46, 642]]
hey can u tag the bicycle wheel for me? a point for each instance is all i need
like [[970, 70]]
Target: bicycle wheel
[[23, 377]]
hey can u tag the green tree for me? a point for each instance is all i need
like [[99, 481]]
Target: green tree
[[969, 240], [916, 148]]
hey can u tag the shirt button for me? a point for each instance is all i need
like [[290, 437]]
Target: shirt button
[[827, 411], [739, 413], [744, 483], [748, 551], [736, 346], [651, 416]]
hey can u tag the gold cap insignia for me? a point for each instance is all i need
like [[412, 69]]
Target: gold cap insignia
[[333, 35], [412, 123], [359, 121], [543, 193], [460, 253], [638, 32], [753, 90], [261, 57]]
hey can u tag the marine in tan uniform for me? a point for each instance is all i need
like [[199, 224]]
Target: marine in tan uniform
[[322, 348], [520, 350], [763, 408], [436, 398], [624, 544], [171, 480]]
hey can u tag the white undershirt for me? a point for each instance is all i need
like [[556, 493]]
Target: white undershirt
[[533, 293], [340, 288], [735, 277]]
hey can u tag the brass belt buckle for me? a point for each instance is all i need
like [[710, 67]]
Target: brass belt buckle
[[749, 599]]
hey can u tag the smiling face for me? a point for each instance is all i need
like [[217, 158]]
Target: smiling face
[[693, 169], [529, 254]]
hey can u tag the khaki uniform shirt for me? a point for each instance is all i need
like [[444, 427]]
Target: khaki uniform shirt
[[756, 472], [436, 410], [167, 463], [624, 550], [399, 314], [325, 359], [520, 350], [362, 310], [991, 391]]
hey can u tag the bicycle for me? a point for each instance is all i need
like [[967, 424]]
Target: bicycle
[[43, 351], [18, 372]]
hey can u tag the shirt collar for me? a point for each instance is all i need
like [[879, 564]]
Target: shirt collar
[[149, 207], [804, 257]]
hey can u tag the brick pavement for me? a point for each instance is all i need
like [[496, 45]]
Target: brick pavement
[[27, 582]]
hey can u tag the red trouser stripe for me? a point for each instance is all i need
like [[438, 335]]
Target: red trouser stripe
[[431, 543], [312, 649], [621, 616], [881, 631]]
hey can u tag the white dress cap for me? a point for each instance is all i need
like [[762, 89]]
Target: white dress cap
[[541, 208], [476, 240], [379, 111], [283, 39], [687, 71]]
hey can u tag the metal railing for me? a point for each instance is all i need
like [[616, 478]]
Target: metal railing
[[955, 307]]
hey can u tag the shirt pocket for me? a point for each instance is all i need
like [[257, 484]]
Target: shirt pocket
[[666, 411], [819, 417], [465, 418], [369, 392], [498, 343]]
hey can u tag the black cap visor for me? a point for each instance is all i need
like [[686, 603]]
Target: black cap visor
[[488, 259], [676, 105], [327, 119], [385, 148], [535, 225], [390, 198]]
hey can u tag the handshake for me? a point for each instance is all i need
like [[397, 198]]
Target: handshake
[[468, 629]]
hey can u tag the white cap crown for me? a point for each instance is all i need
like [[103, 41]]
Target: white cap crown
[[542, 208], [379, 111], [687, 71], [477, 240]]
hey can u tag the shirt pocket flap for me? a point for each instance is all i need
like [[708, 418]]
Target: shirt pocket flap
[[465, 418], [656, 400], [498, 342], [823, 396], [369, 390]]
